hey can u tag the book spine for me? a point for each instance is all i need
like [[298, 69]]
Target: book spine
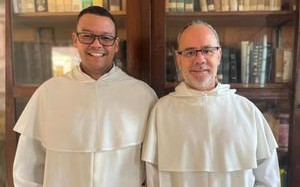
[[41, 6], [189, 6], [114, 5], [180, 5]]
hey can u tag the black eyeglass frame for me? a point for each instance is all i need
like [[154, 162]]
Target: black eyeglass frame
[[199, 50], [114, 38]]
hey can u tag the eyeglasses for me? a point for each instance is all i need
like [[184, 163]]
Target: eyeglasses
[[89, 38], [205, 52]]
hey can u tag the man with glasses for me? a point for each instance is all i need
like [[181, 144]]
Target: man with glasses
[[203, 134], [85, 128]]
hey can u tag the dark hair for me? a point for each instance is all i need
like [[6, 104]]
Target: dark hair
[[96, 10]]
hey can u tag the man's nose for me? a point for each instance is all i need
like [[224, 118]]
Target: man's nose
[[200, 57], [96, 41]]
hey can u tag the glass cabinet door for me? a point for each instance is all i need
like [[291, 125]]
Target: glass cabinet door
[[42, 38], [259, 45], [39, 46]]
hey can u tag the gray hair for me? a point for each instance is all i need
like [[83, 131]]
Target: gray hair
[[197, 22]]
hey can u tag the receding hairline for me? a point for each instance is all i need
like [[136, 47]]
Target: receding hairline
[[197, 23]]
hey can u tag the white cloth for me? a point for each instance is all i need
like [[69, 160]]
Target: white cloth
[[90, 130], [208, 138]]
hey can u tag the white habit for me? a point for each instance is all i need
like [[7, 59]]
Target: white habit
[[81, 132], [209, 139]]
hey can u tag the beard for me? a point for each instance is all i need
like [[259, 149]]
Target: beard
[[203, 85]]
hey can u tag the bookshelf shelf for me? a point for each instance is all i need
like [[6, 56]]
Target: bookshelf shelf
[[57, 17], [250, 18]]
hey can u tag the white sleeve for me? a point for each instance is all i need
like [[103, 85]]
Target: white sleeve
[[152, 176], [28, 169], [267, 172]]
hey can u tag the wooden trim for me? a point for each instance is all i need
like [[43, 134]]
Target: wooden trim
[[145, 15], [134, 39], [294, 138], [10, 136], [158, 45]]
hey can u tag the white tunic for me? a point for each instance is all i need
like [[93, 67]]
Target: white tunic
[[78, 132], [209, 139]]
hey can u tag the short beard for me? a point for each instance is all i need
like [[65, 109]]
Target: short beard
[[201, 86]]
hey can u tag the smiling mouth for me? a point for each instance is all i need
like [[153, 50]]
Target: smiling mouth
[[199, 71], [97, 54]]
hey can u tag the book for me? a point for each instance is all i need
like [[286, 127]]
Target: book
[[277, 4], [283, 133], [279, 65], [16, 6], [180, 6], [263, 60], [51, 4], [267, 4], [114, 5], [247, 5], [76, 5], [27, 6], [60, 6], [245, 53], [203, 5], [225, 61], [225, 5], [189, 6], [287, 65], [28, 63], [41, 6], [233, 5], [210, 5], [253, 5], [217, 5], [240, 5], [260, 5], [67, 5], [45, 35], [172, 5], [87, 3], [172, 71], [167, 6], [123, 5], [97, 3], [233, 76], [197, 6]]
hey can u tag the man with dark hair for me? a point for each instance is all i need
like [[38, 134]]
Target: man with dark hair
[[203, 134], [85, 128]]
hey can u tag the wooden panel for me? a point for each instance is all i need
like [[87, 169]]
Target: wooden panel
[[294, 139], [10, 136], [134, 46], [158, 45]]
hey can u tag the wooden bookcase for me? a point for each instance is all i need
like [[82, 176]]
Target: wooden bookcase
[[148, 29], [277, 99], [133, 26]]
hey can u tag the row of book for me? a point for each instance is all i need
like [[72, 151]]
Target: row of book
[[254, 63], [260, 63], [35, 62], [228, 5], [31, 6]]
